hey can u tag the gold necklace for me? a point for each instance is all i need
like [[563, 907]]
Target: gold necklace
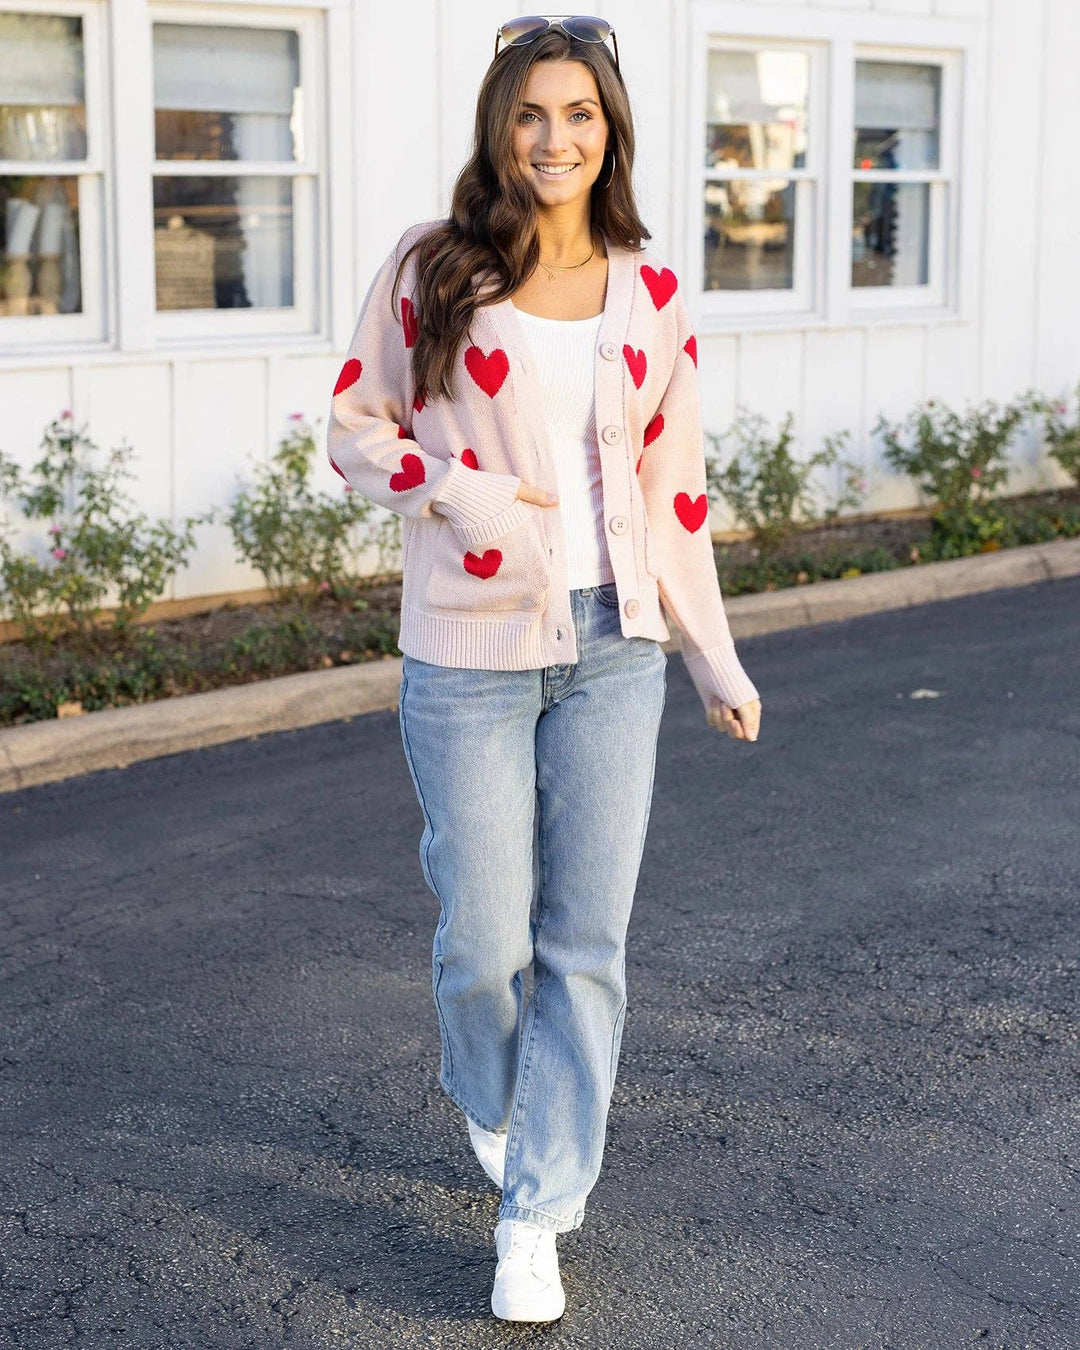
[[562, 267]]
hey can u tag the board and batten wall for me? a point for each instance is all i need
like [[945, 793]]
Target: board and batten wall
[[398, 124]]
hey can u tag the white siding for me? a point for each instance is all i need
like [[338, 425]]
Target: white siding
[[400, 127]]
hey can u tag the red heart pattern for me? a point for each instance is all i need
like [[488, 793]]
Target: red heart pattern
[[635, 360], [350, 373], [402, 434], [485, 566], [468, 458], [337, 470], [654, 428], [488, 371], [410, 475], [418, 403], [637, 466], [408, 321], [691, 511], [690, 348], [660, 285]]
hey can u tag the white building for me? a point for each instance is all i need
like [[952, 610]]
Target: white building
[[868, 202]]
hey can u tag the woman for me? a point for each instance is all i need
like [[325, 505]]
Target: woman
[[522, 388]]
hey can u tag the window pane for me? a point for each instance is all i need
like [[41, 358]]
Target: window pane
[[42, 98], [226, 93], [897, 115], [39, 261], [757, 104], [750, 235], [223, 243], [891, 235]]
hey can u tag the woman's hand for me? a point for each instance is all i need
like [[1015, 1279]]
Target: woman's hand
[[740, 725], [536, 495]]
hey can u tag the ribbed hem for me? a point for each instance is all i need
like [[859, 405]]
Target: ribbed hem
[[482, 644], [481, 506], [718, 670], [496, 528]]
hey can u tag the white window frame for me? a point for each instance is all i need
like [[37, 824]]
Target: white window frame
[[809, 192], [116, 190], [941, 181], [28, 332], [844, 37], [186, 327]]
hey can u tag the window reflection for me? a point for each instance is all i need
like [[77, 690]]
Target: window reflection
[[897, 115], [891, 234], [42, 91], [223, 93], [757, 109], [223, 243], [749, 235], [39, 260]]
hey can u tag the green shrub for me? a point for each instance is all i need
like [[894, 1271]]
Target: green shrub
[[771, 572], [304, 542], [1062, 433], [766, 487], [954, 458], [98, 544]]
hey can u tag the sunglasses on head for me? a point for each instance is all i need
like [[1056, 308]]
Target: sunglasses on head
[[584, 27]]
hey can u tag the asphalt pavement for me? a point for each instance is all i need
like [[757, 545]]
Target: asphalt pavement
[[848, 1105]]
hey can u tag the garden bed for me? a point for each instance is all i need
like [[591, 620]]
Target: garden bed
[[238, 644]]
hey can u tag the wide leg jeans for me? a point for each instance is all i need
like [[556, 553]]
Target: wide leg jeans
[[561, 758]]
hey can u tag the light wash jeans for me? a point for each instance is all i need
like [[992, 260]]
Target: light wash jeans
[[565, 755]]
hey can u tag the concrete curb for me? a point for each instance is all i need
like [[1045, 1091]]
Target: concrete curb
[[44, 752]]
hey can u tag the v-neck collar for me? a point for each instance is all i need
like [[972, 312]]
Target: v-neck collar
[[614, 320]]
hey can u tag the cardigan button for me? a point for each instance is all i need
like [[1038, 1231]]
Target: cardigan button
[[618, 524], [631, 608], [609, 351], [612, 434]]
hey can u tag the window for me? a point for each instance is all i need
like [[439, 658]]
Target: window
[[831, 176], [50, 187], [900, 196], [235, 189], [760, 192], [215, 193]]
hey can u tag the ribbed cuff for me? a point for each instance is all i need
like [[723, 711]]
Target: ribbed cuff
[[718, 670], [481, 506]]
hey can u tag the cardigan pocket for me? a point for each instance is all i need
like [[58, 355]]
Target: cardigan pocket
[[512, 573]]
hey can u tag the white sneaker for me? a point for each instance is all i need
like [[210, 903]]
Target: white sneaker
[[490, 1149], [527, 1285]]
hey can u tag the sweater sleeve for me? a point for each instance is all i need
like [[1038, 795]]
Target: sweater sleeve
[[673, 483], [367, 436]]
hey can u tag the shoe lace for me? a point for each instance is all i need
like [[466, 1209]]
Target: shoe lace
[[524, 1238]]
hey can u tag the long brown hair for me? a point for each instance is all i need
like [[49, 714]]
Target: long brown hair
[[491, 228]]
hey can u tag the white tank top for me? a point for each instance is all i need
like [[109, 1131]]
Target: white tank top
[[565, 353]]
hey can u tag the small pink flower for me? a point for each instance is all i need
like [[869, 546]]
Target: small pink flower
[[976, 473], [296, 417], [1062, 408], [65, 414], [860, 484], [348, 487], [59, 552], [55, 529], [324, 585]]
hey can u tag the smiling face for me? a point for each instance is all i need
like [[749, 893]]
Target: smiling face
[[560, 131]]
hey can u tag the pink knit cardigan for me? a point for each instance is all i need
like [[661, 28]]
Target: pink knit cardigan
[[485, 579]]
